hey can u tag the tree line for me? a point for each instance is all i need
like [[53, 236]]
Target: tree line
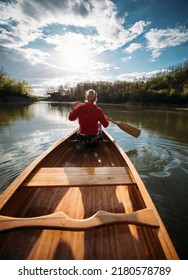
[[11, 89], [169, 87]]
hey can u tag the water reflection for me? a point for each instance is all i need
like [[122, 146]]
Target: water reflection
[[61, 108], [26, 131], [9, 114], [165, 123]]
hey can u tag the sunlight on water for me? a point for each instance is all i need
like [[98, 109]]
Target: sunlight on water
[[26, 133]]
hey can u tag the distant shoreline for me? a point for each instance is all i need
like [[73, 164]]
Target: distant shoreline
[[27, 100], [18, 100]]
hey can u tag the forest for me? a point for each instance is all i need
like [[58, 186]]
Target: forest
[[169, 87]]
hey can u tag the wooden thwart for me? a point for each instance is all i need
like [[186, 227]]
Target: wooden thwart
[[61, 221], [78, 176]]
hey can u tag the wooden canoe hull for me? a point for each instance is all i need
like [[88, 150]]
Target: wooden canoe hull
[[80, 180]]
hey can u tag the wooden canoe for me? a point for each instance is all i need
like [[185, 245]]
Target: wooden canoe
[[79, 201]]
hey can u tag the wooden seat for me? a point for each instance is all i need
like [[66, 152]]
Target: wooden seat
[[78, 176]]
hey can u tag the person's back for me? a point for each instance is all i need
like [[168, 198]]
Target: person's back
[[88, 115]]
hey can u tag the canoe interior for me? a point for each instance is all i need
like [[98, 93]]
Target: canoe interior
[[79, 202]]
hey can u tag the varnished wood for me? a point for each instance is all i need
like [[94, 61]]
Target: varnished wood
[[78, 176], [126, 195], [61, 221], [127, 128]]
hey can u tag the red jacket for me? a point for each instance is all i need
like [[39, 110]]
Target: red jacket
[[89, 115]]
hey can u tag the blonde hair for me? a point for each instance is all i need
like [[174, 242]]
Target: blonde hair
[[91, 96]]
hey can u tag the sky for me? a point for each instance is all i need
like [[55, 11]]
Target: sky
[[62, 42]]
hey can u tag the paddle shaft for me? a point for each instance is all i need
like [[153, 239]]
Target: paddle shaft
[[127, 128]]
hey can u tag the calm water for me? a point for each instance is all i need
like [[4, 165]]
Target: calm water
[[160, 154]]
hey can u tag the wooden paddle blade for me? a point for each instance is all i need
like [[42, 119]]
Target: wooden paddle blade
[[127, 128], [61, 221]]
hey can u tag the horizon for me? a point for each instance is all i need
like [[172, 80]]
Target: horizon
[[52, 43]]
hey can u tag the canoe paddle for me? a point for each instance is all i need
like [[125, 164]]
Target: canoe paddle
[[127, 128]]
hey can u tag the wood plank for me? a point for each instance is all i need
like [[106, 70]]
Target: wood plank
[[78, 176], [85, 171]]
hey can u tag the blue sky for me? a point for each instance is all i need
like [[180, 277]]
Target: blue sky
[[57, 42]]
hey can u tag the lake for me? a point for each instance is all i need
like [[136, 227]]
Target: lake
[[160, 154]]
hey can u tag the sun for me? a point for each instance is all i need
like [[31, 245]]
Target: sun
[[75, 55]]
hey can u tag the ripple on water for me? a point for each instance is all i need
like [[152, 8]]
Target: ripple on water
[[157, 160]]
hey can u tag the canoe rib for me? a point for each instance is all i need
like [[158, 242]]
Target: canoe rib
[[61, 221]]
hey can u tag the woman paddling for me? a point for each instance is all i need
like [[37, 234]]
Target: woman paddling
[[90, 117]]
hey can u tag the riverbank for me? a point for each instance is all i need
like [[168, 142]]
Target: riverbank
[[142, 105], [26, 100], [128, 104], [18, 100]]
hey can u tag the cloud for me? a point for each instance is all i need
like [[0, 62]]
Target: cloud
[[20, 29], [160, 39], [138, 75], [130, 49], [41, 85], [35, 56], [23, 23], [32, 16], [52, 9], [133, 47], [92, 26], [124, 59], [61, 42], [138, 27]]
